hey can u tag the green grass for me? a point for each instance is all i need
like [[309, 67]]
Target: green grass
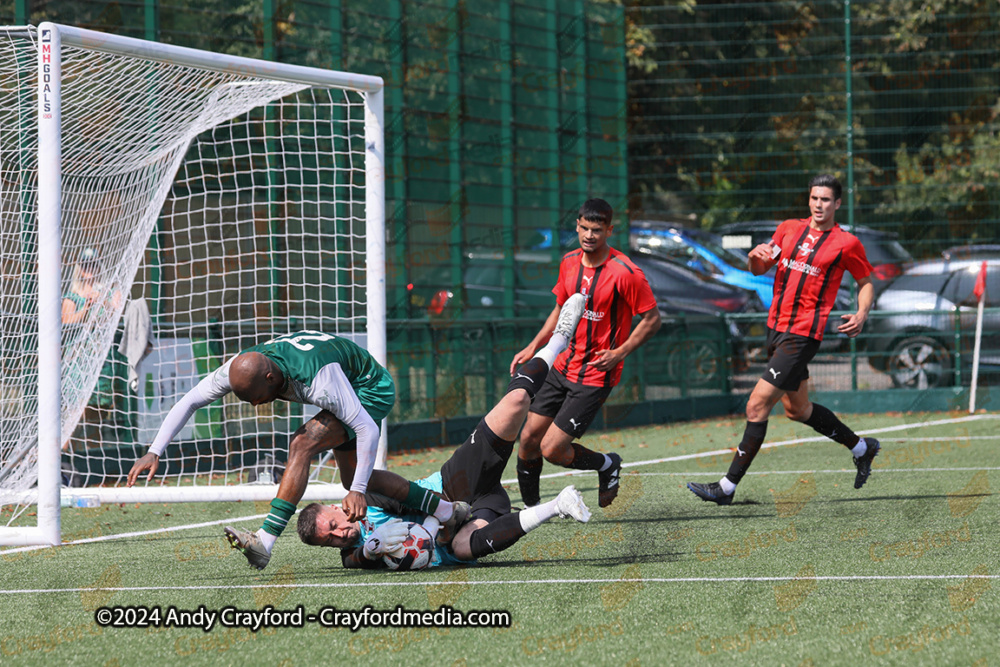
[[608, 592]]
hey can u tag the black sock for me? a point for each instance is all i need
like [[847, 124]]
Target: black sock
[[496, 536], [753, 438], [823, 421], [528, 472], [530, 376], [585, 459]]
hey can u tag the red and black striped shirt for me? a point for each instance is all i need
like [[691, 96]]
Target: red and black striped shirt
[[616, 291], [810, 269]]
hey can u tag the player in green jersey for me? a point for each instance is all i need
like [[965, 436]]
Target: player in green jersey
[[354, 393]]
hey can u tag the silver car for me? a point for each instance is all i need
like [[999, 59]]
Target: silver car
[[913, 335]]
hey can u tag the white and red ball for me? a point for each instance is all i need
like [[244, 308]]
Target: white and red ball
[[414, 553]]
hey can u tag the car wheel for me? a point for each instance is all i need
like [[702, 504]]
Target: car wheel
[[697, 361], [919, 362]]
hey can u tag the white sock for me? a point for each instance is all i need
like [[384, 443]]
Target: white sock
[[533, 517], [607, 464], [860, 449], [267, 539], [444, 511], [557, 343], [728, 487]]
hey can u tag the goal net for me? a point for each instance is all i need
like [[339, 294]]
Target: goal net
[[197, 204]]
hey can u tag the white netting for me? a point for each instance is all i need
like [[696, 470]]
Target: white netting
[[234, 206]]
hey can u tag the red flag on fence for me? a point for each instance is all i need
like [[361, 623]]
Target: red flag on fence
[[980, 287]]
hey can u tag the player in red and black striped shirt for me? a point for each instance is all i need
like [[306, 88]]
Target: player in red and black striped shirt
[[584, 374], [812, 255]]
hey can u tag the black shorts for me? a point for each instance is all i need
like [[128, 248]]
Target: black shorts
[[571, 405], [788, 356], [474, 471]]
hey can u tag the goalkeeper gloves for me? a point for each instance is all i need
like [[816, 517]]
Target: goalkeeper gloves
[[385, 538]]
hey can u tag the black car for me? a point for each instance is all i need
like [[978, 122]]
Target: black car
[[480, 294], [674, 282], [911, 332], [887, 256], [693, 306]]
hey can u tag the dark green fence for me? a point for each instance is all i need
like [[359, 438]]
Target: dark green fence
[[733, 106]]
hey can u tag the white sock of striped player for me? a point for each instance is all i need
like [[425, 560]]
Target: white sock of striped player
[[859, 449], [533, 517], [552, 349]]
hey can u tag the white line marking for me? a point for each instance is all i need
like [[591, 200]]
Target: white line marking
[[804, 472], [783, 443], [946, 438], [518, 582], [105, 538], [901, 427]]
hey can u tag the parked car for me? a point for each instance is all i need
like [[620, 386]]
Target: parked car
[[484, 281], [685, 294], [702, 251], [676, 281], [915, 345], [887, 256], [981, 251], [681, 284]]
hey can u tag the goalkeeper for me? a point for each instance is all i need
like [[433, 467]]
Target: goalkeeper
[[355, 394], [472, 474]]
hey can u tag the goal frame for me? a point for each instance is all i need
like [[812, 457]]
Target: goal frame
[[50, 39]]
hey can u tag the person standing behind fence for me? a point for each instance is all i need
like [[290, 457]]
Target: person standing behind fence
[[584, 374], [812, 255]]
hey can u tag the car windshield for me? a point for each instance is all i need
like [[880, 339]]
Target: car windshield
[[920, 283], [668, 271], [734, 258], [882, 249]]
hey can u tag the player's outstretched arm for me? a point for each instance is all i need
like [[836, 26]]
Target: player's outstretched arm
[[148, 462], [174, 422], [543, 336]]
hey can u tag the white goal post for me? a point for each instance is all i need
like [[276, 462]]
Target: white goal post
[[197, 201]]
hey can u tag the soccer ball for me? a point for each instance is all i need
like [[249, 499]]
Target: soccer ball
[[414, 553]]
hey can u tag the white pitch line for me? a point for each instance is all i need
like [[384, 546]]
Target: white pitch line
[[782, 443], [901, 427], [946, 438], [804, 472], [105, 538], [509, 582]]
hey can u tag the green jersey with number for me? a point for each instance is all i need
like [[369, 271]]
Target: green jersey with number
[[302, 355]]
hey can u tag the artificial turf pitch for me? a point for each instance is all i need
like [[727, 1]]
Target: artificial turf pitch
[[801, 570]]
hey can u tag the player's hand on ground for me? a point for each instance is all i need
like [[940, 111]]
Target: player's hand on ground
[[385, 538], [355, 506], [148, 462], [605, 360], [852, 324], [521, 357]]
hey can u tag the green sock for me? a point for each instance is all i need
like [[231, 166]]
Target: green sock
[[281, 512], [421, 499]]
